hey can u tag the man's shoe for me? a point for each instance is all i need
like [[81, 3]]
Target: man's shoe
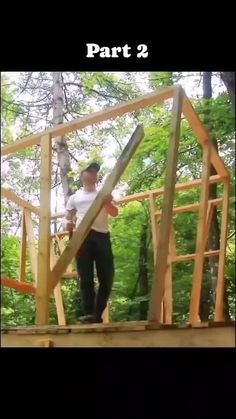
[[98, 320], [87, 319]]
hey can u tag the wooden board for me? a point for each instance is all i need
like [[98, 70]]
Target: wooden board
[[105, 315], [42, 293], [203, 136], [11, 196], [202, 337], [157, 291], [153, 225], [199, 258], [145, 195], [31, 245], [57, 291], [168, 303], [183, 258], [23, 249], [62, 245], [191, 207], [23, 287], [210, 212], [220, 288], [83, 229], [150, 99], [168, 296], [45, 343], [173, 242]]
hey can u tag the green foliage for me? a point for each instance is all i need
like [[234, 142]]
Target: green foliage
[[230, 276], [9, 111], [17, 308], [10, 256]]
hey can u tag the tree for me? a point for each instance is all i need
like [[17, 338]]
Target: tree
[[60, 144], [211, 265], [228, 78]]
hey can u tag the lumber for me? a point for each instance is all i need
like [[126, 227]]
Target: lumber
[[42, 293], [220, 288], [11, 196], [203, 136], [157, 292], [20, 286], [191, 207], [179, 187], [183, 258], [57, 291], [150, 99], [23, 249], [199, 258], [153, 225], [31, 245]]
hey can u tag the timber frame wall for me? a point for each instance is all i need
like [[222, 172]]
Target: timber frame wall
[[48, 271]]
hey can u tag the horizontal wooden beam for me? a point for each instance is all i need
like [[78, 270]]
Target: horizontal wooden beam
[[18, 285], [58, 215], [124, 326], [192, 207], [155, 192], [11, 196], [183, 258], [203, 136], [150, 99], [59, 234], [106, 335], [179, 187]]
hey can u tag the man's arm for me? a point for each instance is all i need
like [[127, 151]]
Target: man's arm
[[68, 223], [111, 207]]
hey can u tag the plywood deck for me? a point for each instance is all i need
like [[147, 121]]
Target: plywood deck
[[128, 334]]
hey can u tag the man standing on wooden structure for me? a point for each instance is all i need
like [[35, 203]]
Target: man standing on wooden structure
[[96, 248]]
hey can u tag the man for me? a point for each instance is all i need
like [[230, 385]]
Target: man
[[96, 247]]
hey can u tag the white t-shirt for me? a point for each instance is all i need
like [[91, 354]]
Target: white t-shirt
[[81, 202]]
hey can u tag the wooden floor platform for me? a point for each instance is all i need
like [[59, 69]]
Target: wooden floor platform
[[128, 334]]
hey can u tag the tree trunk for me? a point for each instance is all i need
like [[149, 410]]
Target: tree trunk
[[143, 272], [63, 156], [228, 78], [211, 265]]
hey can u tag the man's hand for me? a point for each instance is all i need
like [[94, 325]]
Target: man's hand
[[110, 207], [67, 222], [69, 226], [108, 199]]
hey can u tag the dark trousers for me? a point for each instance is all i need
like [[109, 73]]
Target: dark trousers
[[95, 249]]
